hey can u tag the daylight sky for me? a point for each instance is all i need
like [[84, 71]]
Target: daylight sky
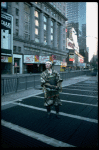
[[92, 27]]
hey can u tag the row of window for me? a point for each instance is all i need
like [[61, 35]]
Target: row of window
[[27, 26], [51, 11], [16, 49]]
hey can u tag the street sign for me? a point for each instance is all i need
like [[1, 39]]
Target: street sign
[[6, 33]]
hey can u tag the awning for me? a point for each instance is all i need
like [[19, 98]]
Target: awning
[[29, 64]]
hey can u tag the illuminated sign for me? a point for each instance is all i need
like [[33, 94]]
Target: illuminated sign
[[71, 57], [6, 33]]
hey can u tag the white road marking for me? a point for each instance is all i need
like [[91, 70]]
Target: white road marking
[[80, 95], [82, 86], [88, 85], [5, 103], [61, 113], [66, 101], [40, 137], [78, 89]]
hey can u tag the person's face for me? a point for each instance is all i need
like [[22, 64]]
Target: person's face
[[48, 65]]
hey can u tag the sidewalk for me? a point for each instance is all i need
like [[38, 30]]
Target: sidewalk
[[30, 92]]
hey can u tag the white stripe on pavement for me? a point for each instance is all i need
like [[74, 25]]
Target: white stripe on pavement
[[66, 101], [82, 86], [40, 137], [80, 95], [19, 99], [61, 113], [78, 89], [87, 85]]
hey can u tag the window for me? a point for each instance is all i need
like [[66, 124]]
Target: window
[[36, 22], [51, 30], [45, 30], [26, 27], [17, 22], [54, 15], [51, 37], [26, 35], [19, 49], [51, 23], [17, 32], [26, 17], [51, 13], [36, 31], [17, 12], [36, 14], [14, 48], [45, 19], [58, 35], [27, 9], [44, 26], [36, 26], [26, 21], [36, 40]]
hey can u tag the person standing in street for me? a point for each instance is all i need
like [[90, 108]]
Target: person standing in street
[[51, 83]]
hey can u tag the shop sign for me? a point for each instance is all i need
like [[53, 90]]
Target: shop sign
[[70, 44], [6, 32], [4, 59], [71, 57], [29, 59], [63, 64], [81, 60], [43, 59], [36, 58]]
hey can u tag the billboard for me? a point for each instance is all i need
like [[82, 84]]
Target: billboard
[[29, 58], [70, 44], [71, 57], [6, 34], [43, 59]]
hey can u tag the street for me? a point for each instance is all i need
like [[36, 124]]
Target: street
[[25, 123]]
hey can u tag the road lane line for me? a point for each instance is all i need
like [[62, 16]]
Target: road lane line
[[61, 113], [78, 89], [82, 86], [19, 99], [40, 137], [66, 101], [79, 95]]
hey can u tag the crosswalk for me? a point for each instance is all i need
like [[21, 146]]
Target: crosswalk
[[73, 114]]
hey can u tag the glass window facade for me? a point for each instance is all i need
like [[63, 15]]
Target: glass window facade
[[36, 14], [26, 22]]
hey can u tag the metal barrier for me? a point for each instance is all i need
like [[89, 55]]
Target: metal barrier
[[19, 83]]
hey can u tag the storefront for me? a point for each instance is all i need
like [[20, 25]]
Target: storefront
[[6, 65], [17, 63], [31, 64]]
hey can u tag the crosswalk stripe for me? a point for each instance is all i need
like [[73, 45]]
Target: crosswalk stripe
[[66, 101], [61, 113], [79, 95], [78, 89], [35, 135]]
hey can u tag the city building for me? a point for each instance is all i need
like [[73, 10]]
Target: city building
[[38, 35], [76, 25]]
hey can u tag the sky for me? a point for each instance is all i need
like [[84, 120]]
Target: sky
[[92, 27]]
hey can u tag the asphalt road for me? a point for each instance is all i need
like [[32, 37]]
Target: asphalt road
[[25, 124]]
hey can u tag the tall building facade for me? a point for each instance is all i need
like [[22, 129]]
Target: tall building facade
[[38, 34], [76, 14]]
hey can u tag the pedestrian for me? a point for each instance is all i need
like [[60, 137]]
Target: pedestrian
[[51, 83]]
